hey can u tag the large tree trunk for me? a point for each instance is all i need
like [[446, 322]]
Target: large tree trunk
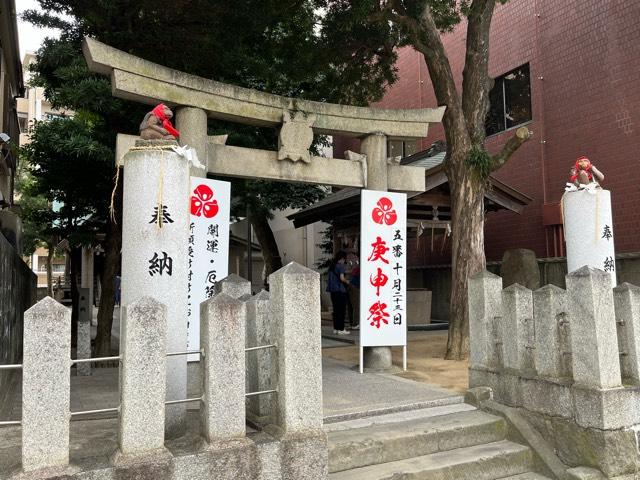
[[110, 269], [270, 252], [468, 257]]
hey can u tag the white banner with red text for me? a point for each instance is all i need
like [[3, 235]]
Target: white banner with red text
[[383, 266], [208, 248]]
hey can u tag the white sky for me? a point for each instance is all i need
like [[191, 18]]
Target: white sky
[[30, 37]]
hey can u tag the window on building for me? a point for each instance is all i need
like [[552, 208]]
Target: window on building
[[400, 148], [53, 116], [23, 122], [510, 101]]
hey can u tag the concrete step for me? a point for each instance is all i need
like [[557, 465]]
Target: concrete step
[[526, 476], [480, 462], [410, 434]]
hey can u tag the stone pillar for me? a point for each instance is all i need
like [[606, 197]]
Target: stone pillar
[[84, 331], [374, 147], [594, 342], [222, 336], [192, 125], [295, 307], [154, 252], [485, 312], [589, 231], [235, 286], [143, 377], [550, 309], [46, 385], [627, 306], [86, 311], [261, 369], [517, 328]]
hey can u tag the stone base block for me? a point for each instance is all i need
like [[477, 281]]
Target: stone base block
[[547, 398], [304, 456], [225, 460], [609, 409]]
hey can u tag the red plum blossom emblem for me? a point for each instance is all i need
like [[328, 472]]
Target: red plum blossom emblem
[[203, 203], [384, 213]]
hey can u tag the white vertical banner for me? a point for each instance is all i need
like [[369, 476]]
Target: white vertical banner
[[208, 253], [383, 266]]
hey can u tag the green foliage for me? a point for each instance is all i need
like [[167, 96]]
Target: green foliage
[[67, 167], [480, 161], [278, 46]]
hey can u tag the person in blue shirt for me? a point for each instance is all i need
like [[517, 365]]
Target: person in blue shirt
[[337, 287], [354, 297]]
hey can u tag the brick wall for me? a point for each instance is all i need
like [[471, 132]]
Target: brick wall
[[588, 103]]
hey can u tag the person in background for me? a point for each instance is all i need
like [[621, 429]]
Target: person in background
[[337, 287], [116, 288], [354, 296]]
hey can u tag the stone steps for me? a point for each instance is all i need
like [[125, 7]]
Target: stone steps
[[403, 435], [490, 461]]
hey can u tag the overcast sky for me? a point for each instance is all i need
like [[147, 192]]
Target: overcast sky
[[30, 38]]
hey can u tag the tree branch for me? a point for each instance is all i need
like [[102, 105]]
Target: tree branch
[[475, 77], [522, 135]]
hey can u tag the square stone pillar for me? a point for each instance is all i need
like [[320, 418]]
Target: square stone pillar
[[46, 385], [83, 349], [517, 334], [222, 337], [295, 307], [143, 377], [627, 306], [262, 373], [550, 310], [485, 315], [235, 286], [594, 340]]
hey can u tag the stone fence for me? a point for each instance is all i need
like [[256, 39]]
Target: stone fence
[[568, 359], [279, 386]]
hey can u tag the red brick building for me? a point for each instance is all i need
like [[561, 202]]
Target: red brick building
[[583, 62]]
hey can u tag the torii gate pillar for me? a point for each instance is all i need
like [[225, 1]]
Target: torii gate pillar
[[374, 146]]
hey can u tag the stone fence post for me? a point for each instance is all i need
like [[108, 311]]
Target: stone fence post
[[143, 377], [594, 342], [222, 337], [517, 328], [550, 307], [627, 305], [295, 309], [46, 385], [485, 314], [261, 369], [235, 286]]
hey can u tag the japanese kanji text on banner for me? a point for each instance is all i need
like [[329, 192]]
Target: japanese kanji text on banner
[[383, 309], [208, 247]]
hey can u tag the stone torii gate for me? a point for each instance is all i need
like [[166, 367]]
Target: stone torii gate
[[196, 99]]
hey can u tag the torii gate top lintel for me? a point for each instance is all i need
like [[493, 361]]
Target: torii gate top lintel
[[134, 78], [140, 80]]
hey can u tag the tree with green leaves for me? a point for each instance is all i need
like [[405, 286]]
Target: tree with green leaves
[[57, 148], [278, 48], [420, 23]]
